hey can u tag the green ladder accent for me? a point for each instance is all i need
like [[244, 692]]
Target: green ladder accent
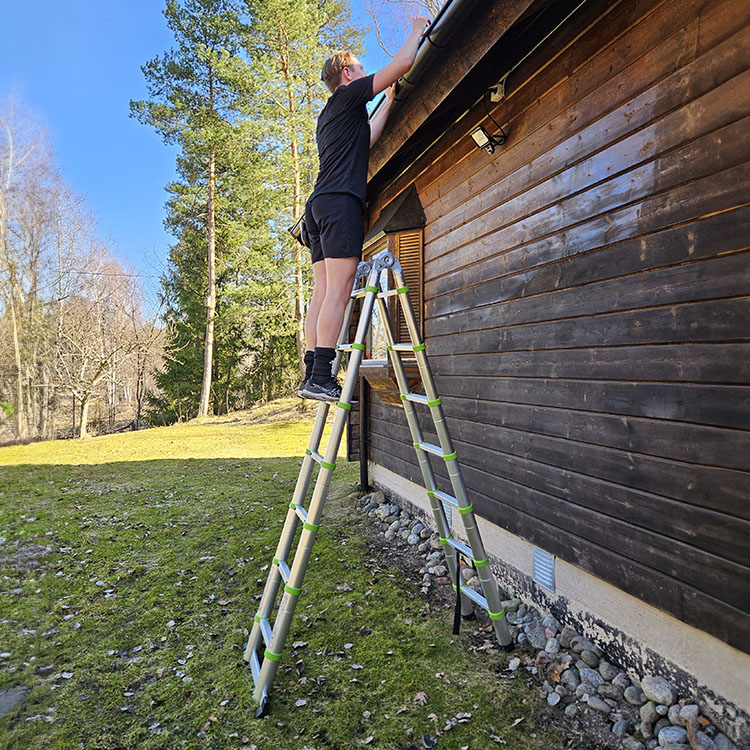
[[266, 642]]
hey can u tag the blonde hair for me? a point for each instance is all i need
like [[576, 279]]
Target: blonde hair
[[332, 67]]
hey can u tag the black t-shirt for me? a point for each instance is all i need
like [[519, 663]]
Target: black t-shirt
[[343, 137]]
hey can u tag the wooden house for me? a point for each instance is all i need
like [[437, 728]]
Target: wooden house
[[583, 290]]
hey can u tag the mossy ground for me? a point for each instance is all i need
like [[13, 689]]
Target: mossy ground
[[129, 632]]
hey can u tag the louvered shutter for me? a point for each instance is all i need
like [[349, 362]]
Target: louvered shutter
[[407, 247]]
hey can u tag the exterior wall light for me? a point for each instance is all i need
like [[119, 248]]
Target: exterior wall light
[[486, 141]]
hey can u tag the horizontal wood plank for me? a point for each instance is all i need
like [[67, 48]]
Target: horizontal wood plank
[[719, 234]]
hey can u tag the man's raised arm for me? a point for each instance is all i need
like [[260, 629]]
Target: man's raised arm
[[403, 60]]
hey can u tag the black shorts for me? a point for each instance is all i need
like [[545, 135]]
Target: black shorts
[[335, 226]]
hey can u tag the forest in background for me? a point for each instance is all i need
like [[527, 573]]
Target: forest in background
[[238, 94]]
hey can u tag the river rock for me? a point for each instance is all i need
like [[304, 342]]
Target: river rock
[[689, 713], [567, 635], [659, 690], [631, 743], [705, 742], [674, 715], [662, 710], [610, 691], [648, 713], [551, 622], [571, 678], [622, 680], [590, 658], [635, 696], [598, 704], [571, 710], [579, 643], [553, 646], [620, 727], [672, 735], [591, 676], [536, 635], [723, 742], [607, 670]]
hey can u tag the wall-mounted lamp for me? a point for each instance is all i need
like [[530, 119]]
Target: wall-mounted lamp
[[486, 141]]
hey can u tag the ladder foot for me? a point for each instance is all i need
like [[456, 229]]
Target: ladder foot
[[262, 709], [471, 616], [508, 647]]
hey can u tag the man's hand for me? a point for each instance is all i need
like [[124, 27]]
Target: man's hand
[[404, 57], [419, 25], [390, 93]]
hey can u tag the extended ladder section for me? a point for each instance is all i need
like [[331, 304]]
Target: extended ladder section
[[266, 641]]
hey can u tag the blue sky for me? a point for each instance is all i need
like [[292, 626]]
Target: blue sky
[[75, 64]]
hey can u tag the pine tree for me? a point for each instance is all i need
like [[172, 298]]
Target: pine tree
[[287, 41], [196, 89]]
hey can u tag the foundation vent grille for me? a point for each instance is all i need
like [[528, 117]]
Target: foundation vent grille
[[544, 569]]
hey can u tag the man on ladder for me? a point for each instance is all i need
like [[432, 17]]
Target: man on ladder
[[334, 211]]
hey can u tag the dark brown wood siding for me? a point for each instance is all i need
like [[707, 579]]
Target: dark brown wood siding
[[587, 308]]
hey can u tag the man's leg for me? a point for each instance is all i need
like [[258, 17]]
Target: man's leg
[[311, 319], [338, 217], [339, 280]]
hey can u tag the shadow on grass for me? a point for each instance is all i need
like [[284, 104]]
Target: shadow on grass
[[128, 588]]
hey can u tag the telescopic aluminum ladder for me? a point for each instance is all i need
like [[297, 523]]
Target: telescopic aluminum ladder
[[268, 635]]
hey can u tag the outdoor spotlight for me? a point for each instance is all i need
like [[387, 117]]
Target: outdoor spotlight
[[486, 141]]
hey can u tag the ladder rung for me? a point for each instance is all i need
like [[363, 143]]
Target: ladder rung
[[266, 631], [462, 548], [359, 293], [476, 597], [436, 450], [446, 498], [284, 571], [389, 293], [301, 513], [403, 348], [417, 398], [255, 667], [343, 347], [316, 457]]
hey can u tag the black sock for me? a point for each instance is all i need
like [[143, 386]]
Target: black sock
[[321, 372], [308, 360]]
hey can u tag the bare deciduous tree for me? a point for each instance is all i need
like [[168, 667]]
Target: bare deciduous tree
[[391, 17]]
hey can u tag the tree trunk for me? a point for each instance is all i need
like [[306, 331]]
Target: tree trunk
[[84, 416], [211, 299], [20, 414], [299, 290]]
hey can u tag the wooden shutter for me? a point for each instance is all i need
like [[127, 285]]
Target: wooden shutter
[[407, 247]]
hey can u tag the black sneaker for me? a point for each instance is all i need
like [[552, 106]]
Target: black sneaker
[[330, 391], [301, 388]]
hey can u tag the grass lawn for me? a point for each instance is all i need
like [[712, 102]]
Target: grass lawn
[[130, 568]]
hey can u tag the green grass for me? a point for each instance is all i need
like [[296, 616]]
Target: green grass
[[129, 633]]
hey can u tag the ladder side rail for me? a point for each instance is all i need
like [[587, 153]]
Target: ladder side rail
[[428, 476], [293, 588], [480, 559], [302, 485]]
